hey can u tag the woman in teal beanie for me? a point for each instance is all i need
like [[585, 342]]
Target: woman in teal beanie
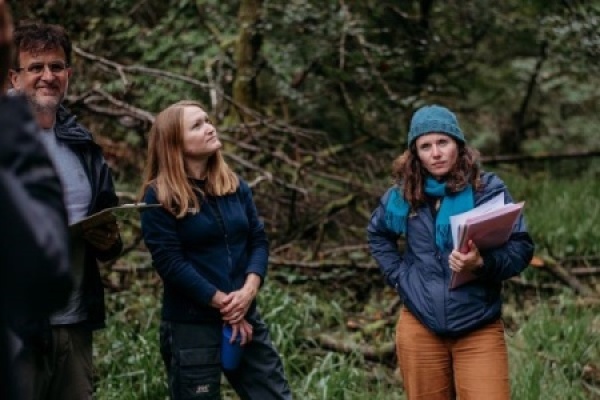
[[448, 342]]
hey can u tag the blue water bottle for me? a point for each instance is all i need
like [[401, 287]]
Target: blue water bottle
[[231, 353]]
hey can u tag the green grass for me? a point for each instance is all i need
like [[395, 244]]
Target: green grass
[[126, 353], [550, 350], [562, 214], [547, 352]]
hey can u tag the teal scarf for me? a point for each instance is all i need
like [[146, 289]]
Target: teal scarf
[[397, 209]]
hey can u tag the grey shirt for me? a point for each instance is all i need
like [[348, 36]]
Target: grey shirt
[[77, 195]]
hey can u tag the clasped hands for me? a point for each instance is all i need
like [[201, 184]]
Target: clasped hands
[[234, 306], [469, 261]]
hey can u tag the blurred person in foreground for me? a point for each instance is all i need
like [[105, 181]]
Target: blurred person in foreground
[[448, 342], [210, 249], [34, 264], [41, 71]]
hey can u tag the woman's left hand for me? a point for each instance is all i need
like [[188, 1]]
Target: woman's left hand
[[469, 261], [244, 329]]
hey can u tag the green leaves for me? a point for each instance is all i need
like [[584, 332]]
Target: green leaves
[[351, 68]]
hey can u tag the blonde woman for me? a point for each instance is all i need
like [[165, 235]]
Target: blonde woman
[[211, 251]]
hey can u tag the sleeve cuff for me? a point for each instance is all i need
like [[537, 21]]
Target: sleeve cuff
[[258, 271], [206, 298], [488, 264]]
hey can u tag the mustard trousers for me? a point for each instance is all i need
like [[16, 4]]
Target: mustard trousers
[[472, 367]]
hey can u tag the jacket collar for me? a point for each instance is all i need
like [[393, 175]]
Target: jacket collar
[[67, 128]]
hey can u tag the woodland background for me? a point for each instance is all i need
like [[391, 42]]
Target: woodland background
[[312, 99]]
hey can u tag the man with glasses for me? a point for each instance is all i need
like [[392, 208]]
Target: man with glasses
[[41, 71]]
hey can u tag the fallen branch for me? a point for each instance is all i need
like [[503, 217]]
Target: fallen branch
[[321, 264], [544, 286], [517, 158], [127, 269], [563, 274], [556, 269], [585, 271], [345, 249], [327, 211], [385, 353], [393, 308]]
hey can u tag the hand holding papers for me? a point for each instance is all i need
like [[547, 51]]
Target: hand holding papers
[[488, 226], [106, 217]]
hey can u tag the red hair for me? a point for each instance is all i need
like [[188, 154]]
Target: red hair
[[165, 167]]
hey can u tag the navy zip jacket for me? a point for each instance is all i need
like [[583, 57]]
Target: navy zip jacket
[[213, 249], [421, 274]]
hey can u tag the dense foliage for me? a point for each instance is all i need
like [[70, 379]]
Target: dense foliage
[[313, 98], [522, 74]]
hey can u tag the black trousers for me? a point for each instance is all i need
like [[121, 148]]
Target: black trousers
[[192, 357], [62, 371]]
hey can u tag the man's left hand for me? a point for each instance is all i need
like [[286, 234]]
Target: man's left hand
[[103, 237]]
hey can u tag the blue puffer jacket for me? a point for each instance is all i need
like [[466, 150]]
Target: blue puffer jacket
[[421, 275]]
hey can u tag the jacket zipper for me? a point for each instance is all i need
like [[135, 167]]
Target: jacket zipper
[[216, 211], [445, 273]]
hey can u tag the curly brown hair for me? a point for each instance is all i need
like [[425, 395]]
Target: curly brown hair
[[410, 175], [33, 37]]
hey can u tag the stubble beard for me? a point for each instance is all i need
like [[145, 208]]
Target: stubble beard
[[45, 107]]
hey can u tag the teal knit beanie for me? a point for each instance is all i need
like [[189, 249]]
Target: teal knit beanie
[[434, 119]]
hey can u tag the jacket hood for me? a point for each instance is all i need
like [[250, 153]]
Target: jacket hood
[[492, 185]]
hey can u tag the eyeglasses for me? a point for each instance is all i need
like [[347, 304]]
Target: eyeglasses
[[56, 68]]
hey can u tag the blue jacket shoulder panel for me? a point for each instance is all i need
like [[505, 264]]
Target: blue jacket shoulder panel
[[383, 242]]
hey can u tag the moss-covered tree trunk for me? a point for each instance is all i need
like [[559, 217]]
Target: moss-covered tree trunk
[[246, 53]]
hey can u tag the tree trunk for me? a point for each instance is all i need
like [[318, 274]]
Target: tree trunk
[[246, 54], [512, 138]]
